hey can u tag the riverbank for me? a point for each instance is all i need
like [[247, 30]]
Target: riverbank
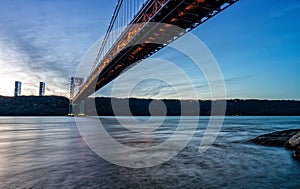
[[34, 106], [59, 106]]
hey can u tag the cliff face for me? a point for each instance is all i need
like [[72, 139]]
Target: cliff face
[[34, 106], [59, 106]]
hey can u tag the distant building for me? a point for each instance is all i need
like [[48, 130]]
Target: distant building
[[42, 89], [18, 85]]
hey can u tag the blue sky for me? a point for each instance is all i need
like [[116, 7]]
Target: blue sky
[[256, 44]]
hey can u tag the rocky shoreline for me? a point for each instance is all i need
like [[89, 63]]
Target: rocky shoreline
[[290, 139]]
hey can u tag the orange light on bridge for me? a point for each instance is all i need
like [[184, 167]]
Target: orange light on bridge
[[118, 66], [174, 19], [168, 25], [190, 7], [137, 50]]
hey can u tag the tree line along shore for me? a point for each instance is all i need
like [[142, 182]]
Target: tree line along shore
[[102, 106]]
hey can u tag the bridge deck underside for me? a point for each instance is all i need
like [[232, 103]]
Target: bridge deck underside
[[151, 38]]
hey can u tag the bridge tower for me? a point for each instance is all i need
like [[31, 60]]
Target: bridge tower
[[71, 109], [75, 82]]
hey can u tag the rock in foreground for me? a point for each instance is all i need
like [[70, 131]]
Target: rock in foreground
[[278, 138], [288, 138], [294, 144]]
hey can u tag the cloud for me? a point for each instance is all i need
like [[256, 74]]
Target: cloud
[[148, 81], [40, 43], [149, 88]]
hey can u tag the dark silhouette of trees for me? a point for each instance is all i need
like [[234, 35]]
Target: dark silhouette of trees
[[59, 106], [140, 107], [34, 106]]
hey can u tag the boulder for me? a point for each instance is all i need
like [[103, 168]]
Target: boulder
[[289, 139], [294, 144], [278, 138]]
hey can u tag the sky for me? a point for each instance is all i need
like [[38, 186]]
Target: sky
[[255, 43]]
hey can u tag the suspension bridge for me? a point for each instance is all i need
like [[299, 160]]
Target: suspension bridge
[[140, 28]]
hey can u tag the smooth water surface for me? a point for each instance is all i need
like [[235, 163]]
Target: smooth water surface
[[48, 152]]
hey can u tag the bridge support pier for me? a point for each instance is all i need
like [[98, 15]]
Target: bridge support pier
[[81, 108], [71, 109], [76, 109]]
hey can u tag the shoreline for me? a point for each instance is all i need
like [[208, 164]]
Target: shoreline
[[59, 106]]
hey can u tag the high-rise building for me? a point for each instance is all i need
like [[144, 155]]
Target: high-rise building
[[18, 85], [42, 89]]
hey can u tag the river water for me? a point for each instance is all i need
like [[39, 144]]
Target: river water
[[49, 152]]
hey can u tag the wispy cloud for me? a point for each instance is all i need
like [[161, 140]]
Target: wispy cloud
[[41, 42]]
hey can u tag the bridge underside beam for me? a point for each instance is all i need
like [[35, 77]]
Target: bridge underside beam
[[185, 14]]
